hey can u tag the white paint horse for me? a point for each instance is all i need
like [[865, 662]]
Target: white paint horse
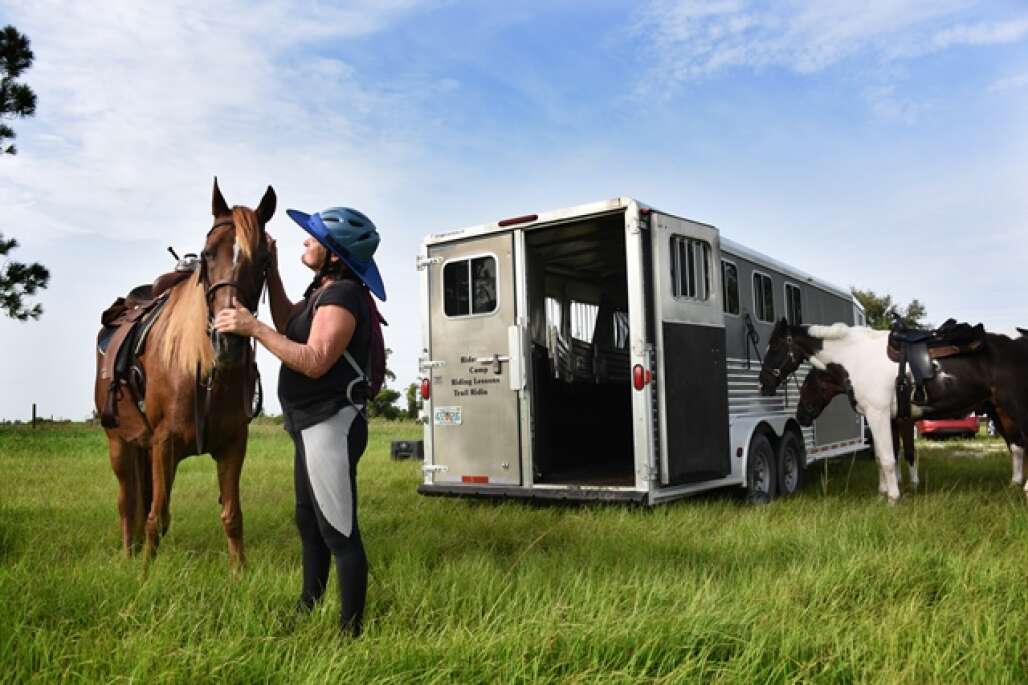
[[997, 375]]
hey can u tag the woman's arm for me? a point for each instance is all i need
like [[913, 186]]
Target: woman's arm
[[331, 332], [279, 303]]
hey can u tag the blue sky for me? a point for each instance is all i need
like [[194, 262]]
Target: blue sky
[[880, 144]]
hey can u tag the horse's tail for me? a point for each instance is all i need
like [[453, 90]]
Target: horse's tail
[[833, 332]]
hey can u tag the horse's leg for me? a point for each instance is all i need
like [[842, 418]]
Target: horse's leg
[[895, 450], [162, 465], [906, 426], [144, 481], [123, 462], [881, 428], [230, 465], [1016, 464]]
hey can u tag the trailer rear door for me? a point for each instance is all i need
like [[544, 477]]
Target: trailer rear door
[[692, 391], [474, 345]]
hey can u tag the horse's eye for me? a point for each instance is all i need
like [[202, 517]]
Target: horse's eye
[[209, 254]]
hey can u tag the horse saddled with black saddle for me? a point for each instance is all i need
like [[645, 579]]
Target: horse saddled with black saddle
[[917, 348]]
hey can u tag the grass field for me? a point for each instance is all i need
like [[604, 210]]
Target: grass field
[[829, 586]]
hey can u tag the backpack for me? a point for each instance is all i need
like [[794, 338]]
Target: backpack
[[376, 349], [375, 374]]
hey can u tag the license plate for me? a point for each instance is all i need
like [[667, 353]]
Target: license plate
[[447, 416]]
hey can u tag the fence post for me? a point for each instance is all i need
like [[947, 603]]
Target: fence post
[[33, 414]]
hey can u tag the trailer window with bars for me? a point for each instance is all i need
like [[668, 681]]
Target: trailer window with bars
[[763, 297], [690, 268], [793, 304], [553, 312], [469, 286], [730, 287], [583, 320], [620, 321]]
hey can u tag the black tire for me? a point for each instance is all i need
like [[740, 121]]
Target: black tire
[[761, 471], [791, 458]]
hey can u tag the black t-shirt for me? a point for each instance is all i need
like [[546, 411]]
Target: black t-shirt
[[307, 401]]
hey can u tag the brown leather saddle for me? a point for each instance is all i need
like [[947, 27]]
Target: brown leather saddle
[[918, 347], [122, 339]]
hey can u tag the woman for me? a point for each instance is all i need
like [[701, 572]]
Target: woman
[[323, 344]]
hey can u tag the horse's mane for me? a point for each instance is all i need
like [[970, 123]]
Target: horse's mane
[[186, 341], [833, 332], [248, 230]]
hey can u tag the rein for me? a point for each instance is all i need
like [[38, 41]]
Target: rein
[[253, 391]]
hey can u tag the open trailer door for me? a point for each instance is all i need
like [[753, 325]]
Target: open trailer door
[[692, 394], [476, 362]]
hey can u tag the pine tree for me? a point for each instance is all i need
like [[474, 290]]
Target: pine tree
[[16, 99]]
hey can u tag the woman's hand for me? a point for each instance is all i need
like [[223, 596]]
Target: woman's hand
[[272, 253], [236, 319]]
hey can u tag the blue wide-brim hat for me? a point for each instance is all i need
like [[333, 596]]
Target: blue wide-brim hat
[[364, 269]]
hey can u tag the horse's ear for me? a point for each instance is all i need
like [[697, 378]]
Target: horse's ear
[[780, 327], [266, 209], [218, 205]]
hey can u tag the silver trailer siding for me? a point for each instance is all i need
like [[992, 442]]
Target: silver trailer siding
[[595, 353]]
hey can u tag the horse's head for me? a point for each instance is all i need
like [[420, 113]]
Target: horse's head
[[233, 264], [784, 355], [817, 391]]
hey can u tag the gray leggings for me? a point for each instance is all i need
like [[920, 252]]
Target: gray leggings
[[325, 478]]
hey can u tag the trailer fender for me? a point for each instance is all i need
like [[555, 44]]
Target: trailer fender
[[741, 430]]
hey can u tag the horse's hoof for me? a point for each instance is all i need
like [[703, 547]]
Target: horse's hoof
[[892, 501], [1017, 483]]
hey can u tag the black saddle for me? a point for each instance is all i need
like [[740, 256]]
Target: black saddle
[[918, 347]]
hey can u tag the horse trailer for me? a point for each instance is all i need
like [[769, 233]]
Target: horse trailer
[[610, 351]]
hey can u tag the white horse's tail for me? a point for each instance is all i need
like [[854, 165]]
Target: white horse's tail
[[833, 332]]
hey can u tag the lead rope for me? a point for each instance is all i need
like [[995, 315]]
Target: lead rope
[[752, 338]]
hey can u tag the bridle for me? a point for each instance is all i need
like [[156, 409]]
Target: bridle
[[210, 289], [791, 359], [204, 386]]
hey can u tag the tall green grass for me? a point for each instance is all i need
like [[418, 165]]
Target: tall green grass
[[829, 586]]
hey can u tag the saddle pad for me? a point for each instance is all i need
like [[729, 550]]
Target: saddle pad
[[103, 339]]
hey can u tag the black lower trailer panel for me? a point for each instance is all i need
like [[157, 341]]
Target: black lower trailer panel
[[550, 494]]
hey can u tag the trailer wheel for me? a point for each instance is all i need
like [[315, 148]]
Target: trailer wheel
[[791, 472], [761, 473]]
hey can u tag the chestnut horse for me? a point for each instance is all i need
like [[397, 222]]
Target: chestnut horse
[[183, 356]]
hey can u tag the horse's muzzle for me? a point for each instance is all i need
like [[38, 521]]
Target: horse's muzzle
[[228, 349], [768, 384]]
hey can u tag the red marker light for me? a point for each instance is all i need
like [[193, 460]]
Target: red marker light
[[426, 389], [638, 377], [527, 218]]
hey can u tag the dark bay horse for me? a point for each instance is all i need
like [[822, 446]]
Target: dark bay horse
[[997, 375], [182, 356]]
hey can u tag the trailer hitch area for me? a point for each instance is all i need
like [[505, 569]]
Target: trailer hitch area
[[496, 360]]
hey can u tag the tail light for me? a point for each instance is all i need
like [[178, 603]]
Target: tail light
[[641, 377], [426, 389]]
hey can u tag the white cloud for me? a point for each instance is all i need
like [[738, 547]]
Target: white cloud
[[995, 33], [1009, 83], [695, 39]]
